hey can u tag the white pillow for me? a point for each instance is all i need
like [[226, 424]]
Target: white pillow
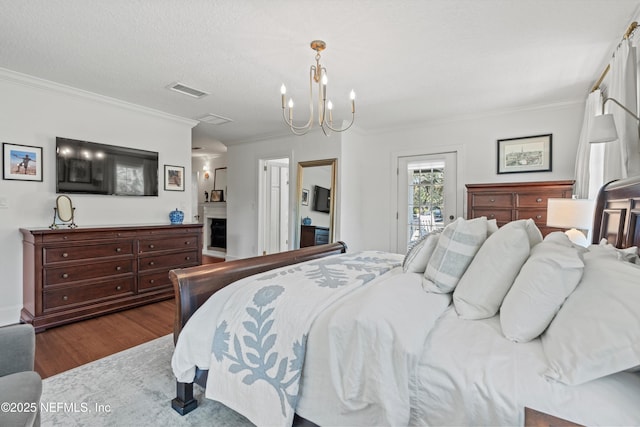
[[492, 226], [597, 331], [545, 281], [418, 255], [492, 272], [533, 232], [628, 254], [455, 250]]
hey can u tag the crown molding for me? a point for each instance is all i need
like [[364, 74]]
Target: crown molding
[[38, 83]]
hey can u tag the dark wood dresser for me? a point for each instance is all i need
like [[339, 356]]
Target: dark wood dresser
[[74, 274], [506, 202], [310, 235]]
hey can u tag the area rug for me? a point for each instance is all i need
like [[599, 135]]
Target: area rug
[[130, 388]]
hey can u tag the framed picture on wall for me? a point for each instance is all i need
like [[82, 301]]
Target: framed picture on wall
[[21, 162], [526, 154], [173, 178], [217, 195], [305, 197]]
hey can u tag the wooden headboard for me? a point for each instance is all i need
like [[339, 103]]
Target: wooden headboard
[[617, 213]]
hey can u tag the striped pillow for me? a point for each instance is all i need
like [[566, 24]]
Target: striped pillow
[[456, 248]]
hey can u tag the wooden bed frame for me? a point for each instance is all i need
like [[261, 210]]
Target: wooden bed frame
[[616, 218]]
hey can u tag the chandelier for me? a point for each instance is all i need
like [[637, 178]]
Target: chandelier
[[317, 74]]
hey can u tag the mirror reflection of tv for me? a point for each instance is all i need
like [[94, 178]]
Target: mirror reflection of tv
[[321, 199], [91, 168]]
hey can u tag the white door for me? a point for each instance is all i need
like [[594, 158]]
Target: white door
[[426, 195], [275, 221]]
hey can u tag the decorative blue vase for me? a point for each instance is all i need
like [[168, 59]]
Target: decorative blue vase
[[176, 217], [306, 221]]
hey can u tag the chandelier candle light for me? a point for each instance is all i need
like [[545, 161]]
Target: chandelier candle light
[[317, 74]]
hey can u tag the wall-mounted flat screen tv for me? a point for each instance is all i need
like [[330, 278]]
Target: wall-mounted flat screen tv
[[321, 199], [92, 168]]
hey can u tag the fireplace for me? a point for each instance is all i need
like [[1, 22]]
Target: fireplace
[[218, 233]]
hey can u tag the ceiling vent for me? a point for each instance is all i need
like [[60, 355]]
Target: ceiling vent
[[214, 119], [186, 90]]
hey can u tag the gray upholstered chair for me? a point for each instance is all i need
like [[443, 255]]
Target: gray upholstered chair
[[20, 385]]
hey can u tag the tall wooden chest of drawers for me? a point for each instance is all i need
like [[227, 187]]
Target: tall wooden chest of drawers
[[74, 274], [506, 202]]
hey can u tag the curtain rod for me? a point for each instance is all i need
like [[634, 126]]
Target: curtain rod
[[627, 34]]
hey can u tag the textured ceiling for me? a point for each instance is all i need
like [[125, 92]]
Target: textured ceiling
[[409, 61]]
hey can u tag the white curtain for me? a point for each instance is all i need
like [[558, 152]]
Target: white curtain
[[622, 157], [588, 174]]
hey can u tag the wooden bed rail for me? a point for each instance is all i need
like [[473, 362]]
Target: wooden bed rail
[[194, 285]]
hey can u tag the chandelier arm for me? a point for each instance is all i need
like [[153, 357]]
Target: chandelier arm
[[353, 116]]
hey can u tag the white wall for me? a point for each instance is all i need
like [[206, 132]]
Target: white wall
[[33, 112], [366, 184], [368, 212], [242, 201]]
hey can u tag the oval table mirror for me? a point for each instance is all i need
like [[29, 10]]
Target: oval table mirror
[[63, 212], [316, 204]]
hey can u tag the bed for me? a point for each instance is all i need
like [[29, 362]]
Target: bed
[[384, 343]]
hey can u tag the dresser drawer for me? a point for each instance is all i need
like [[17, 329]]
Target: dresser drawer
[[538, 215], [502, 216], [59, 254], [168, 261], [154, 280], [171, 243], [73, 273], [528, 200], [493, 199], [73, 235], [65, 296]]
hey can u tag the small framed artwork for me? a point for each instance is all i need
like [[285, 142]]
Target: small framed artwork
[[526, 154], [21, 162], [305, 197], [79, 170], [217, 195], [173, 178]]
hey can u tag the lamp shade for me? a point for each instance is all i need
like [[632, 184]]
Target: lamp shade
[[603, 129], [570, 213]]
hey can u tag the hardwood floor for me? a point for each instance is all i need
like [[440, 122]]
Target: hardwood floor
[[65, 347]]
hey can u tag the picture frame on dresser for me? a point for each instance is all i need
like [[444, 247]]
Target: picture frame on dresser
[[173, 178], [524, 154], [21, 162]]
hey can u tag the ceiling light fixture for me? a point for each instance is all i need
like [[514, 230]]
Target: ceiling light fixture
[[317, 74]]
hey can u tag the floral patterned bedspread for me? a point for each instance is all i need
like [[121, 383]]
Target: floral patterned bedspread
[[260, 337]]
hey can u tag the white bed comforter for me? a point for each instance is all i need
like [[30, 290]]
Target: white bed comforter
[[391, 354]]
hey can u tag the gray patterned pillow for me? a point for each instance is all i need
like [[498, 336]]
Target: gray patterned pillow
[[456, 248]]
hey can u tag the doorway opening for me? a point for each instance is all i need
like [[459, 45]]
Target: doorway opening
[[273, 212]]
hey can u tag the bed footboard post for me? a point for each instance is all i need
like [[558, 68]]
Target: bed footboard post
[[184, 401]]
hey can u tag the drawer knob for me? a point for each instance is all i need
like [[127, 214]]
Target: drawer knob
[[118, 288], [65, 255], [151, 263], [187, 258], [65, 237], [65, 276], [539, 200], [187, 242], [538, 216], [65, 298], [118, 249], [492, 200], [151, 246], [152, 281], [118, 268], [492, 216]]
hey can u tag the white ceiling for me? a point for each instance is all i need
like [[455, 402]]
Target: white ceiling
[[409, 61]]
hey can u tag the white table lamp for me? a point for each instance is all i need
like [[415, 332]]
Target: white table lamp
[[574, 214]]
